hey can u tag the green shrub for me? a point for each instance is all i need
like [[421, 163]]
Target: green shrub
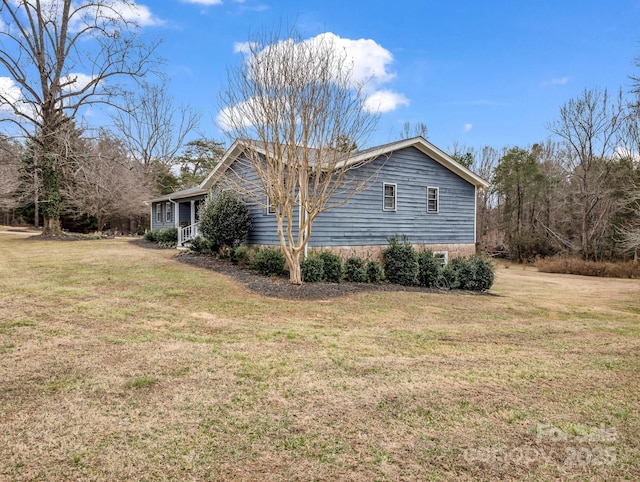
[[467, 276], [474, 274], [312, 269], [268, 262], [484, 272], [200, 245], [150, 236], [401, 262], [429, 269], [240, 255], [166, 237], [332, 264], [168, 234], [375, 273], [225, 220], [451, 272], [355, 271]]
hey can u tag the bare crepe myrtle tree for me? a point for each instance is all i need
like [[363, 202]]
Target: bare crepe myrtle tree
[[295, 103], [61, 56]]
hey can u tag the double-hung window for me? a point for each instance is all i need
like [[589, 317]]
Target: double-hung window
[[271, 209], [158, 213], [168, 213], [433, 199], [389, 197]]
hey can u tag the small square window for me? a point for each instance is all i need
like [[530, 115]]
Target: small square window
[[168, 213], [433, 199], [442, 256], [389, 195]]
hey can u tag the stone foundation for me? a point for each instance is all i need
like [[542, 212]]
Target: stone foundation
[[375, 252]]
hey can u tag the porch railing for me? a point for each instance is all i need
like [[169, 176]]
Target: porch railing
[[187, 233]]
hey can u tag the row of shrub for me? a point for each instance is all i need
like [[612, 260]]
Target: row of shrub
[[402, 265], [166, 237], [327, 266], [405, 266]]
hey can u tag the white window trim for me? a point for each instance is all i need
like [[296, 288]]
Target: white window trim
[[158, 212], [168, 213], [395, 196], [437, 210], [271, 210]]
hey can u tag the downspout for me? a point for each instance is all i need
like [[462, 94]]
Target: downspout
[[176, 223], [176, 210], [475, 218]]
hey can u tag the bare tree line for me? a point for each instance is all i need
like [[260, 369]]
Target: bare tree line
[[577, 192]]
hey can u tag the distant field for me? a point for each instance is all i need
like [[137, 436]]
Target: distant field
[[118, 363]]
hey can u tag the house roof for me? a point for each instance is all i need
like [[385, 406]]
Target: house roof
[[419, 143], [192, 191], [427, 148]]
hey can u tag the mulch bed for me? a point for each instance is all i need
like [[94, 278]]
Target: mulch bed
[[279, 287], [276, 286]]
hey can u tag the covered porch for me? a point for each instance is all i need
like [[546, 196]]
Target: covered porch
[[179, 209]]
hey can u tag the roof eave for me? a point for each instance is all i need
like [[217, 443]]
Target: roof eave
[[427, 148]]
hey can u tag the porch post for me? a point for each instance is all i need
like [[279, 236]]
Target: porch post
[[193, 212], [176, 214]]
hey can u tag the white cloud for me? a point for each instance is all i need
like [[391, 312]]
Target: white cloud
[[243, 114], [76, 81], [556, 81], [369, 63], [467, 127], [12, 100], [10, 94], [105, 13], [384, 101], [205, 2], [624, 152], [242, 47], [133, 12], [370, 60]]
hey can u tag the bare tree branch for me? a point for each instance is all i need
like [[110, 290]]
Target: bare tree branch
[[297, 104], [62, 56], [152, 128]]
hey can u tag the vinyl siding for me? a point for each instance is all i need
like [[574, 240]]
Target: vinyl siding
[[184, 211], [264, 229], [362, 220]]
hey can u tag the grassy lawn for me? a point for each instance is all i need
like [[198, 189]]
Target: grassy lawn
[[118, 363]]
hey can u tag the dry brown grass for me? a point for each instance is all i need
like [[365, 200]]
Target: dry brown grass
[[620, 269], [117, 363]]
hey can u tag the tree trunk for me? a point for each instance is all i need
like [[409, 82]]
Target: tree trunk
[[51, 202], [36, 200], [295, 273]]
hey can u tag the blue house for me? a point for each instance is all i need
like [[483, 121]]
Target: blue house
[[414, 189]]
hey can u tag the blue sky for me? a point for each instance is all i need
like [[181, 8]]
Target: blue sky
[[475, 72]]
